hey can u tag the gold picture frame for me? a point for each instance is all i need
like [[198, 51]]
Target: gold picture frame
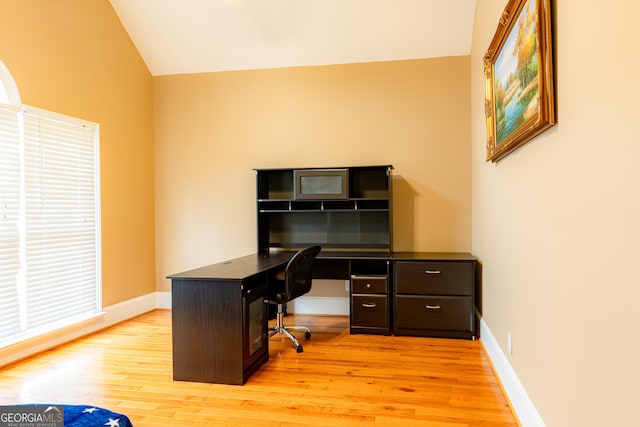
[[519, 84]]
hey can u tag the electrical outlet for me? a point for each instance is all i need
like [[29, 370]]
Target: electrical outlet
[[346, 285], [509, 343]]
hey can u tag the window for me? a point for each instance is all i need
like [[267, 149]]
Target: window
[[49, 218]]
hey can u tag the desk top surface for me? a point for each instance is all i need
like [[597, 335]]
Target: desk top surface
[[237, 268], [398, 256], [241, 268]]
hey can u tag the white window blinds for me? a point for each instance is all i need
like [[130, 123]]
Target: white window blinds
[[52, 279], [9, 215]]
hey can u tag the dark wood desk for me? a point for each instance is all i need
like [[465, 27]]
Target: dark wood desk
[[220, 319]]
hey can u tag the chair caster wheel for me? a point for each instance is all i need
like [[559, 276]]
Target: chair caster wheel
[[307, 335], [299, 349]]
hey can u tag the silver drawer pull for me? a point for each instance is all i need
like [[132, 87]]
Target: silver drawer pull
[[369, 305], [432, 307], [432, 271], [368, 285]]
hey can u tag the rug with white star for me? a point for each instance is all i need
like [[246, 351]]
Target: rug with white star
[[91, 416]]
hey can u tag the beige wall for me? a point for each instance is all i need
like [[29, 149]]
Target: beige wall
[[211, 130], [555, 224], [74, 57]]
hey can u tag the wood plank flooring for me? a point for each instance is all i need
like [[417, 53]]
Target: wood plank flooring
[[339, 380]]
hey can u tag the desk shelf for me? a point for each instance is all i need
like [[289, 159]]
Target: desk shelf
[[351, 205], [360, 221]]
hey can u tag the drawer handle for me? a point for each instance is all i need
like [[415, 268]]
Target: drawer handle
[[368, 285], [365, 305], [432, 271], [432, 307]]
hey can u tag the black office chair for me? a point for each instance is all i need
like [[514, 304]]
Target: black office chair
[[291, 283]]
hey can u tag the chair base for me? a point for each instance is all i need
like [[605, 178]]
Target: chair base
[[282, 329]]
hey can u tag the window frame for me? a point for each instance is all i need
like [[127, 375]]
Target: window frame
[[90, 134]]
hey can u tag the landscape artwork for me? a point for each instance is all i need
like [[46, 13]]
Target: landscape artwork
[[518, 69], [516, 75]]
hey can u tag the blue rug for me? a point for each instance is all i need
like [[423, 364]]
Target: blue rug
[[74, 415], [90, 416]]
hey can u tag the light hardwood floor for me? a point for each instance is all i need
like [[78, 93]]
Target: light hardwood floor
[[339, 380]]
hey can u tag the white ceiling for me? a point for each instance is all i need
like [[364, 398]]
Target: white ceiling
[[195, 36]]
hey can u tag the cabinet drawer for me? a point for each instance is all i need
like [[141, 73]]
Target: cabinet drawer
[[434, 278], [369, 310], [368, 284], [442, 313]]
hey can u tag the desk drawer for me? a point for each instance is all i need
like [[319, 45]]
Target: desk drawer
[[440, 313], [368, 284], [369, 310], [434, 278]]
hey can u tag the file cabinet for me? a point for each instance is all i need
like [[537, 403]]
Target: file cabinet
[[434, 297], [370, 304]]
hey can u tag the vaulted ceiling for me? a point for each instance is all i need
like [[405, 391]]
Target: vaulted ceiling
[[195, 36]]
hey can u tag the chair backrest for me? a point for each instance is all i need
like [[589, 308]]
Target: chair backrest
[[297, 275]]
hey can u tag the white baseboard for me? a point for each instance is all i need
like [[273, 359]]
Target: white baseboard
[[319, 305], [163, 300], [110, 315], [127, 309], [522, 405]]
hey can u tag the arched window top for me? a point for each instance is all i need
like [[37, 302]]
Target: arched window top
[[8, 90]]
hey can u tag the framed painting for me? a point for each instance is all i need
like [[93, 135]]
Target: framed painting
[[518, 68]]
